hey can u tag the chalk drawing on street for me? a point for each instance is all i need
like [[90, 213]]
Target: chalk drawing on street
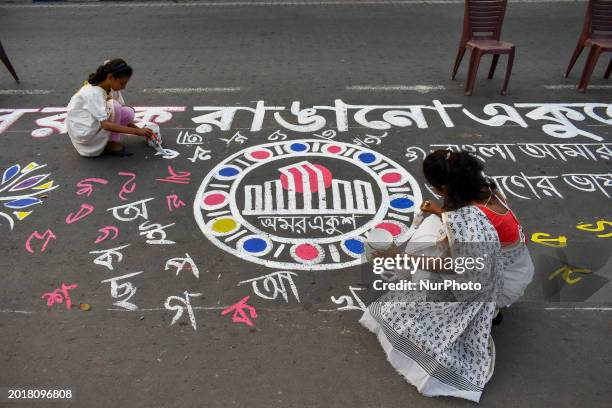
[[20, 189], [312, 211]]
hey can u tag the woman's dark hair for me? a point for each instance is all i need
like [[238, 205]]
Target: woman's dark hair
[[462, 175], [116, 67]]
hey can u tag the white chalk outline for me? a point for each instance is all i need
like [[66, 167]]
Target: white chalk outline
[[96, 4], [6, 92], [190, 90], [198, 214], [422, 89]]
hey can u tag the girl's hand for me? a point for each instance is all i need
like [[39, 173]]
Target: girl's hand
[[431, 208], [145, 132]]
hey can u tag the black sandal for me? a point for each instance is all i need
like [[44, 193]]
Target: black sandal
[[119, 153], [497, 319]]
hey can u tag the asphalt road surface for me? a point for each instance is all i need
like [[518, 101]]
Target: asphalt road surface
[[347, 99]]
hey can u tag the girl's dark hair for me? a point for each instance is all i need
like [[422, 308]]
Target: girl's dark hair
[[116, 67], [462, 175]]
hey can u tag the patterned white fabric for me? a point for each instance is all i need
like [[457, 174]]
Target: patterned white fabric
[[441, 345]]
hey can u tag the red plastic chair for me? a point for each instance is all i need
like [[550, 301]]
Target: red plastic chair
[[597, 34], [7, 63], [482, 23]]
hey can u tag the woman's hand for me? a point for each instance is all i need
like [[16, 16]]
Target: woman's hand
[[431, 208]]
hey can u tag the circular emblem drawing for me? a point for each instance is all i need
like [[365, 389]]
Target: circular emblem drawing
[[304, 204]]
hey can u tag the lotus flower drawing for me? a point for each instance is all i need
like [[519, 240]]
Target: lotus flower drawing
[[21, 189]]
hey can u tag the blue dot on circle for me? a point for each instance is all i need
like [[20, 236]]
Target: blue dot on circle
[[255, 245], [367, 157], [298, 147], [402, 203], [228, 172], [354, 245]]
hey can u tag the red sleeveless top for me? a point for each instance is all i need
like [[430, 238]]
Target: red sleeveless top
[[506, 225]]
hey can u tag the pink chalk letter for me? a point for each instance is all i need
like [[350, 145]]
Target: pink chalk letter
[[85, 186], [240, 316], [83, 212], [129, 186], [182, 177], [174, 202], [105, 232], [47, 236], [59, 296]]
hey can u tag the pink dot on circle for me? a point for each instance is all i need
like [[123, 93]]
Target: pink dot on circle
[[260, 154], [306, 252], [334, 149], [214, 199], [392, 228], [392, 177]]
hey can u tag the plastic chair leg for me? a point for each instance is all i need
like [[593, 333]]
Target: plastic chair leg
[[7, 63], [589, 67], [460, 54], [473, 70], [608, 70], [575, 55], [493, 66], [508, 71]]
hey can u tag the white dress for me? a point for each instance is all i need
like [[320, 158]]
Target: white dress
[[86, 109], [442, 347]]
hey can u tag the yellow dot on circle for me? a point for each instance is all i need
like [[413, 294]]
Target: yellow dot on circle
[[224, 225]]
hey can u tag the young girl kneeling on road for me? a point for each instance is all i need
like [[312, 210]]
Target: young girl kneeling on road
[[96, 115]]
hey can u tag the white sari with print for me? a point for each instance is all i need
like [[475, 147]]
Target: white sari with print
[[442, 347]]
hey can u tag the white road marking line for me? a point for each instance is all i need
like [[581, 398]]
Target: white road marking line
[[422, 89], [596, 309], [190, 90], [564, 86], [25, 91], [15, 311], [266, 3], [600, 309]]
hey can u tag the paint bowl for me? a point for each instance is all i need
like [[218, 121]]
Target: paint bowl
[[377, 240], [157, 139]]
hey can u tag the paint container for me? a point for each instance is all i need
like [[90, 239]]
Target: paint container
[[156, 141], [377, 240]]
